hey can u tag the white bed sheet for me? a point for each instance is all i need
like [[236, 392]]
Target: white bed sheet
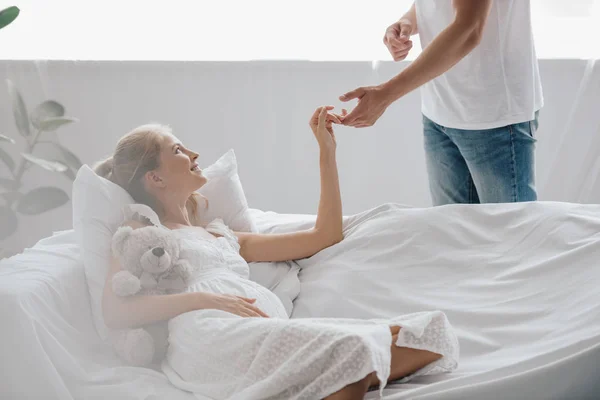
[[517, 281], [48, 344]]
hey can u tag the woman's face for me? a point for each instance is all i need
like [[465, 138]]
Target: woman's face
[[178, 172]]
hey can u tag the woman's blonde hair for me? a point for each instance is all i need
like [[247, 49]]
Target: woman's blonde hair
[[137, 153]]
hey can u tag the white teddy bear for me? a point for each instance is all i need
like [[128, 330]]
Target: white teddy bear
[[150, 258]]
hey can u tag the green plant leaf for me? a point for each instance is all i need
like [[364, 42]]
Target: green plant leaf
[[19, 109], [45, 110], [65, 155], [9, 184], [52, 124], [8, 15], [6, 139], [7, 159], [53, 166], [41, 199], [9, 224]]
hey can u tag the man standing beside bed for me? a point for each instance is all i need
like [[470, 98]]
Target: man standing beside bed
[[480, 91]]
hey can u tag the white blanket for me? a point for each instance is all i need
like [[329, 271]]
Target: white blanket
[[49, 348], [519, 282]]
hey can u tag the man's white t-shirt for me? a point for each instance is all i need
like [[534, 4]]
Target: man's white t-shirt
[[495, 85]]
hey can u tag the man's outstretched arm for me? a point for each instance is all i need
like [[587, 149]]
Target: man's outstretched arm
[[447, 49]]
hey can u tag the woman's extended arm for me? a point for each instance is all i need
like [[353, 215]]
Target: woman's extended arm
[[328, 227], [134, 311]]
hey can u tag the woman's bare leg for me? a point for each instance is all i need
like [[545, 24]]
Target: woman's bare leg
[[404, 361], [354, 391]]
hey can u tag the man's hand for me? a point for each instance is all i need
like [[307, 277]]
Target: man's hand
[[397, 39], [372, 103]]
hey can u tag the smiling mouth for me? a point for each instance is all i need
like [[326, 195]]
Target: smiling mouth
[[195, 168]]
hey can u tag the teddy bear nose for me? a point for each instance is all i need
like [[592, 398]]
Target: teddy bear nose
[[158, 251]]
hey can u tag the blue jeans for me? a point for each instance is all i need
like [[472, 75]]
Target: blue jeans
[[481, 166]]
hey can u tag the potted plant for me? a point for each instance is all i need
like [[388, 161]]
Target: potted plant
[[48, 116]]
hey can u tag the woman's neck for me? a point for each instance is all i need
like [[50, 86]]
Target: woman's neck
[[175, 213]]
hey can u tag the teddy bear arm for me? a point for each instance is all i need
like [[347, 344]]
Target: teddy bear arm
[[124, 283], [183, 269]]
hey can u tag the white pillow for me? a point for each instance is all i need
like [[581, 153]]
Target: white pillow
[[226, 198], [99, 206]]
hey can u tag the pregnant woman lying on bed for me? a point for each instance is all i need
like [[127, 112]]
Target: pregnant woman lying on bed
[[231, 338]]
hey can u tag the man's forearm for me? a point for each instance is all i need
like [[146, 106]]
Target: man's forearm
[[447, 49], [452, 44]]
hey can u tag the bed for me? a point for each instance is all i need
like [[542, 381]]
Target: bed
[[517, 281]]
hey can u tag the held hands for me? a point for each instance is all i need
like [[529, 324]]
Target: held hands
[[321, 124]]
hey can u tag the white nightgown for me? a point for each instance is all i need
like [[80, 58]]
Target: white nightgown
[[219, 355]]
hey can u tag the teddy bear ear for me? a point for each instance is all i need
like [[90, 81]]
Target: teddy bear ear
[[119, 239]]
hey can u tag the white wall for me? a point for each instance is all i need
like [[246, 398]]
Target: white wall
[[261, 109]]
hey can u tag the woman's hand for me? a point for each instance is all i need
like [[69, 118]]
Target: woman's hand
[[321, 124], [237, 305]]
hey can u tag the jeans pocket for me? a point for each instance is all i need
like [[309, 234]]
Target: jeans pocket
[[531, 129], [524, 131]]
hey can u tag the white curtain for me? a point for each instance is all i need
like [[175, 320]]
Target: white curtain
[[241, 30], [575, 168], [260, 108]]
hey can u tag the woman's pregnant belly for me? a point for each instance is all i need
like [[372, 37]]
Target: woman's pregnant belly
[[226, 282]]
